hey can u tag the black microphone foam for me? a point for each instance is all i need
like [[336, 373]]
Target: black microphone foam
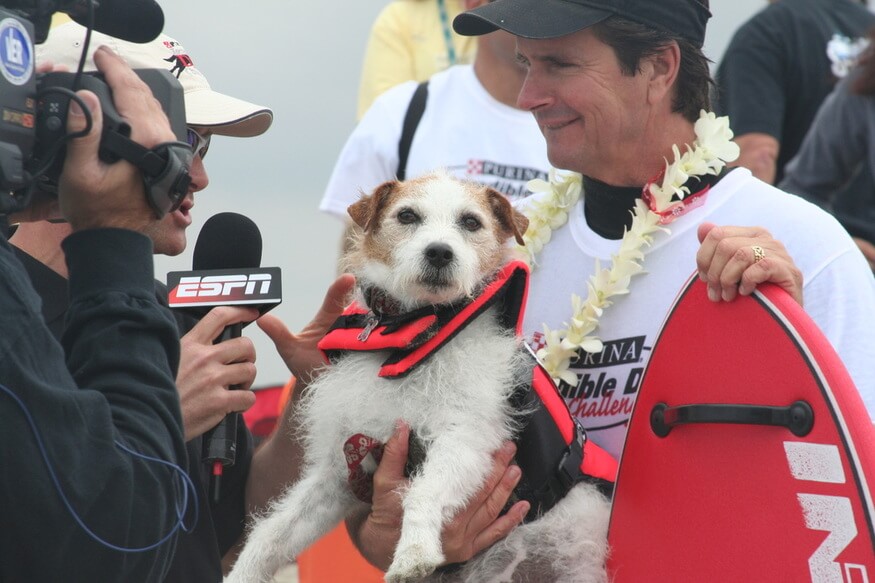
[[228, 241], [137, 21]]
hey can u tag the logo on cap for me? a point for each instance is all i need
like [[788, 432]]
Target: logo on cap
[[179, 58]]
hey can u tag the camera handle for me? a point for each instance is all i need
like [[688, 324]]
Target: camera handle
[[164, 167]]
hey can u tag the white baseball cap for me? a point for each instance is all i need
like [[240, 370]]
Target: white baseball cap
[[224, 115]]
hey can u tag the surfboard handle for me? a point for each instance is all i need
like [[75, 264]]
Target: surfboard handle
[[798, 417]]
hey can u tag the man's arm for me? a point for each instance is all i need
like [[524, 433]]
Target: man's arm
[[751, 91], [759, 154], [69, 426]]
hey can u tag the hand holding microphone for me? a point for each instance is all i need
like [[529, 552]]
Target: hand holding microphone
[[226, 273], [207, 370]]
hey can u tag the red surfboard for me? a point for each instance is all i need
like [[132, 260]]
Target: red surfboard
[[750, 455]]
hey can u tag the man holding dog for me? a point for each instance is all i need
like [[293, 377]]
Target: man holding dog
[[619, 90], [615, 87]]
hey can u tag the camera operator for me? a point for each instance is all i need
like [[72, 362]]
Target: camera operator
[[206, 369], [70, 423]]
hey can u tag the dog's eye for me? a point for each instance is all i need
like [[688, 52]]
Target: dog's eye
[[407, 217], [471, 223]]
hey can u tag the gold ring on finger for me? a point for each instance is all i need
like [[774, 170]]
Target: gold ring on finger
[[758, 253]]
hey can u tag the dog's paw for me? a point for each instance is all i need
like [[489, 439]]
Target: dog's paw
[[413, 563]]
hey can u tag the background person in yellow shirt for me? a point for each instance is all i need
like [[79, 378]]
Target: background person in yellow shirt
[[412, 39]]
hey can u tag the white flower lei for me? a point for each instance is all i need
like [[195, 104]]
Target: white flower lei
[[710, 152]]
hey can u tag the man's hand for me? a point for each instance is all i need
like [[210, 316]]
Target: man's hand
[[728, 262], [473, 529], [478, 526], [207, 370], [93, 194], [299, 351]]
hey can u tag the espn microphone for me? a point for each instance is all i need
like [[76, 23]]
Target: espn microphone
[[225, 272]]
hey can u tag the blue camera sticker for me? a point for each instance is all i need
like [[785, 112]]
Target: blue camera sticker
[[16, 52]]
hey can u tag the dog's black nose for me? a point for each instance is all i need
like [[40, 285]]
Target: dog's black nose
[[439, 254]]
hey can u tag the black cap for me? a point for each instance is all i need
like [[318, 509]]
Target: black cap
[[542, 19]]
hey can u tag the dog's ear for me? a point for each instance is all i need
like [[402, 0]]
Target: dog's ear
[[513, 222], [366, 212]]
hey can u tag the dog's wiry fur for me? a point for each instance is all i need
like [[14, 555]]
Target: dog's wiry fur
[[456, 402]]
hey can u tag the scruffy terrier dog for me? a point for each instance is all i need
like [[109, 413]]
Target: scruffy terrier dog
[[422, 344]]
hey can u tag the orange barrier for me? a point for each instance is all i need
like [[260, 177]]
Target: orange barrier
[[335, 559]]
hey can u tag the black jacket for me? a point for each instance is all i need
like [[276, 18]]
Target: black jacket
[[116, 385], [219, 525]]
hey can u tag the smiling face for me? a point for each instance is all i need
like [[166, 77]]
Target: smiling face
[[432, 240], [591, 113]]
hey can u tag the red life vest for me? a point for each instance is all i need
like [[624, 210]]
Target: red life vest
[[552, 450]]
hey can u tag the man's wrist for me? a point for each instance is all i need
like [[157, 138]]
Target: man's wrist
[[127, 219], [375, 544], [109, 258]]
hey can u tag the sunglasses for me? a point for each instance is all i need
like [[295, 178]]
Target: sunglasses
[[199, 144]]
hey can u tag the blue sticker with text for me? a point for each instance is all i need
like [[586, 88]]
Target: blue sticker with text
[[16, 52]]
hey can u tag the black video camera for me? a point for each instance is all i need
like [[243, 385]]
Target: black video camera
[[33, 119]]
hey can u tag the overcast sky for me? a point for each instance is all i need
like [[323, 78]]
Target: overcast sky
[[302, 59]]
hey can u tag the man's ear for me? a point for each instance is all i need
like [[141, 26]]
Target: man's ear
[[662, 72], [366, 211], [471, 4]]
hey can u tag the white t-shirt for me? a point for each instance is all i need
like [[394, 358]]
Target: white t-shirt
[[839, 294], [463, 129]]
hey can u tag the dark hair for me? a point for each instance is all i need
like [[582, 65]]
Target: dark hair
[[633, 42]]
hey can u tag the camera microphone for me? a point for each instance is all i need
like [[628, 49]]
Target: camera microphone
[[225, 272], [138, 21]]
